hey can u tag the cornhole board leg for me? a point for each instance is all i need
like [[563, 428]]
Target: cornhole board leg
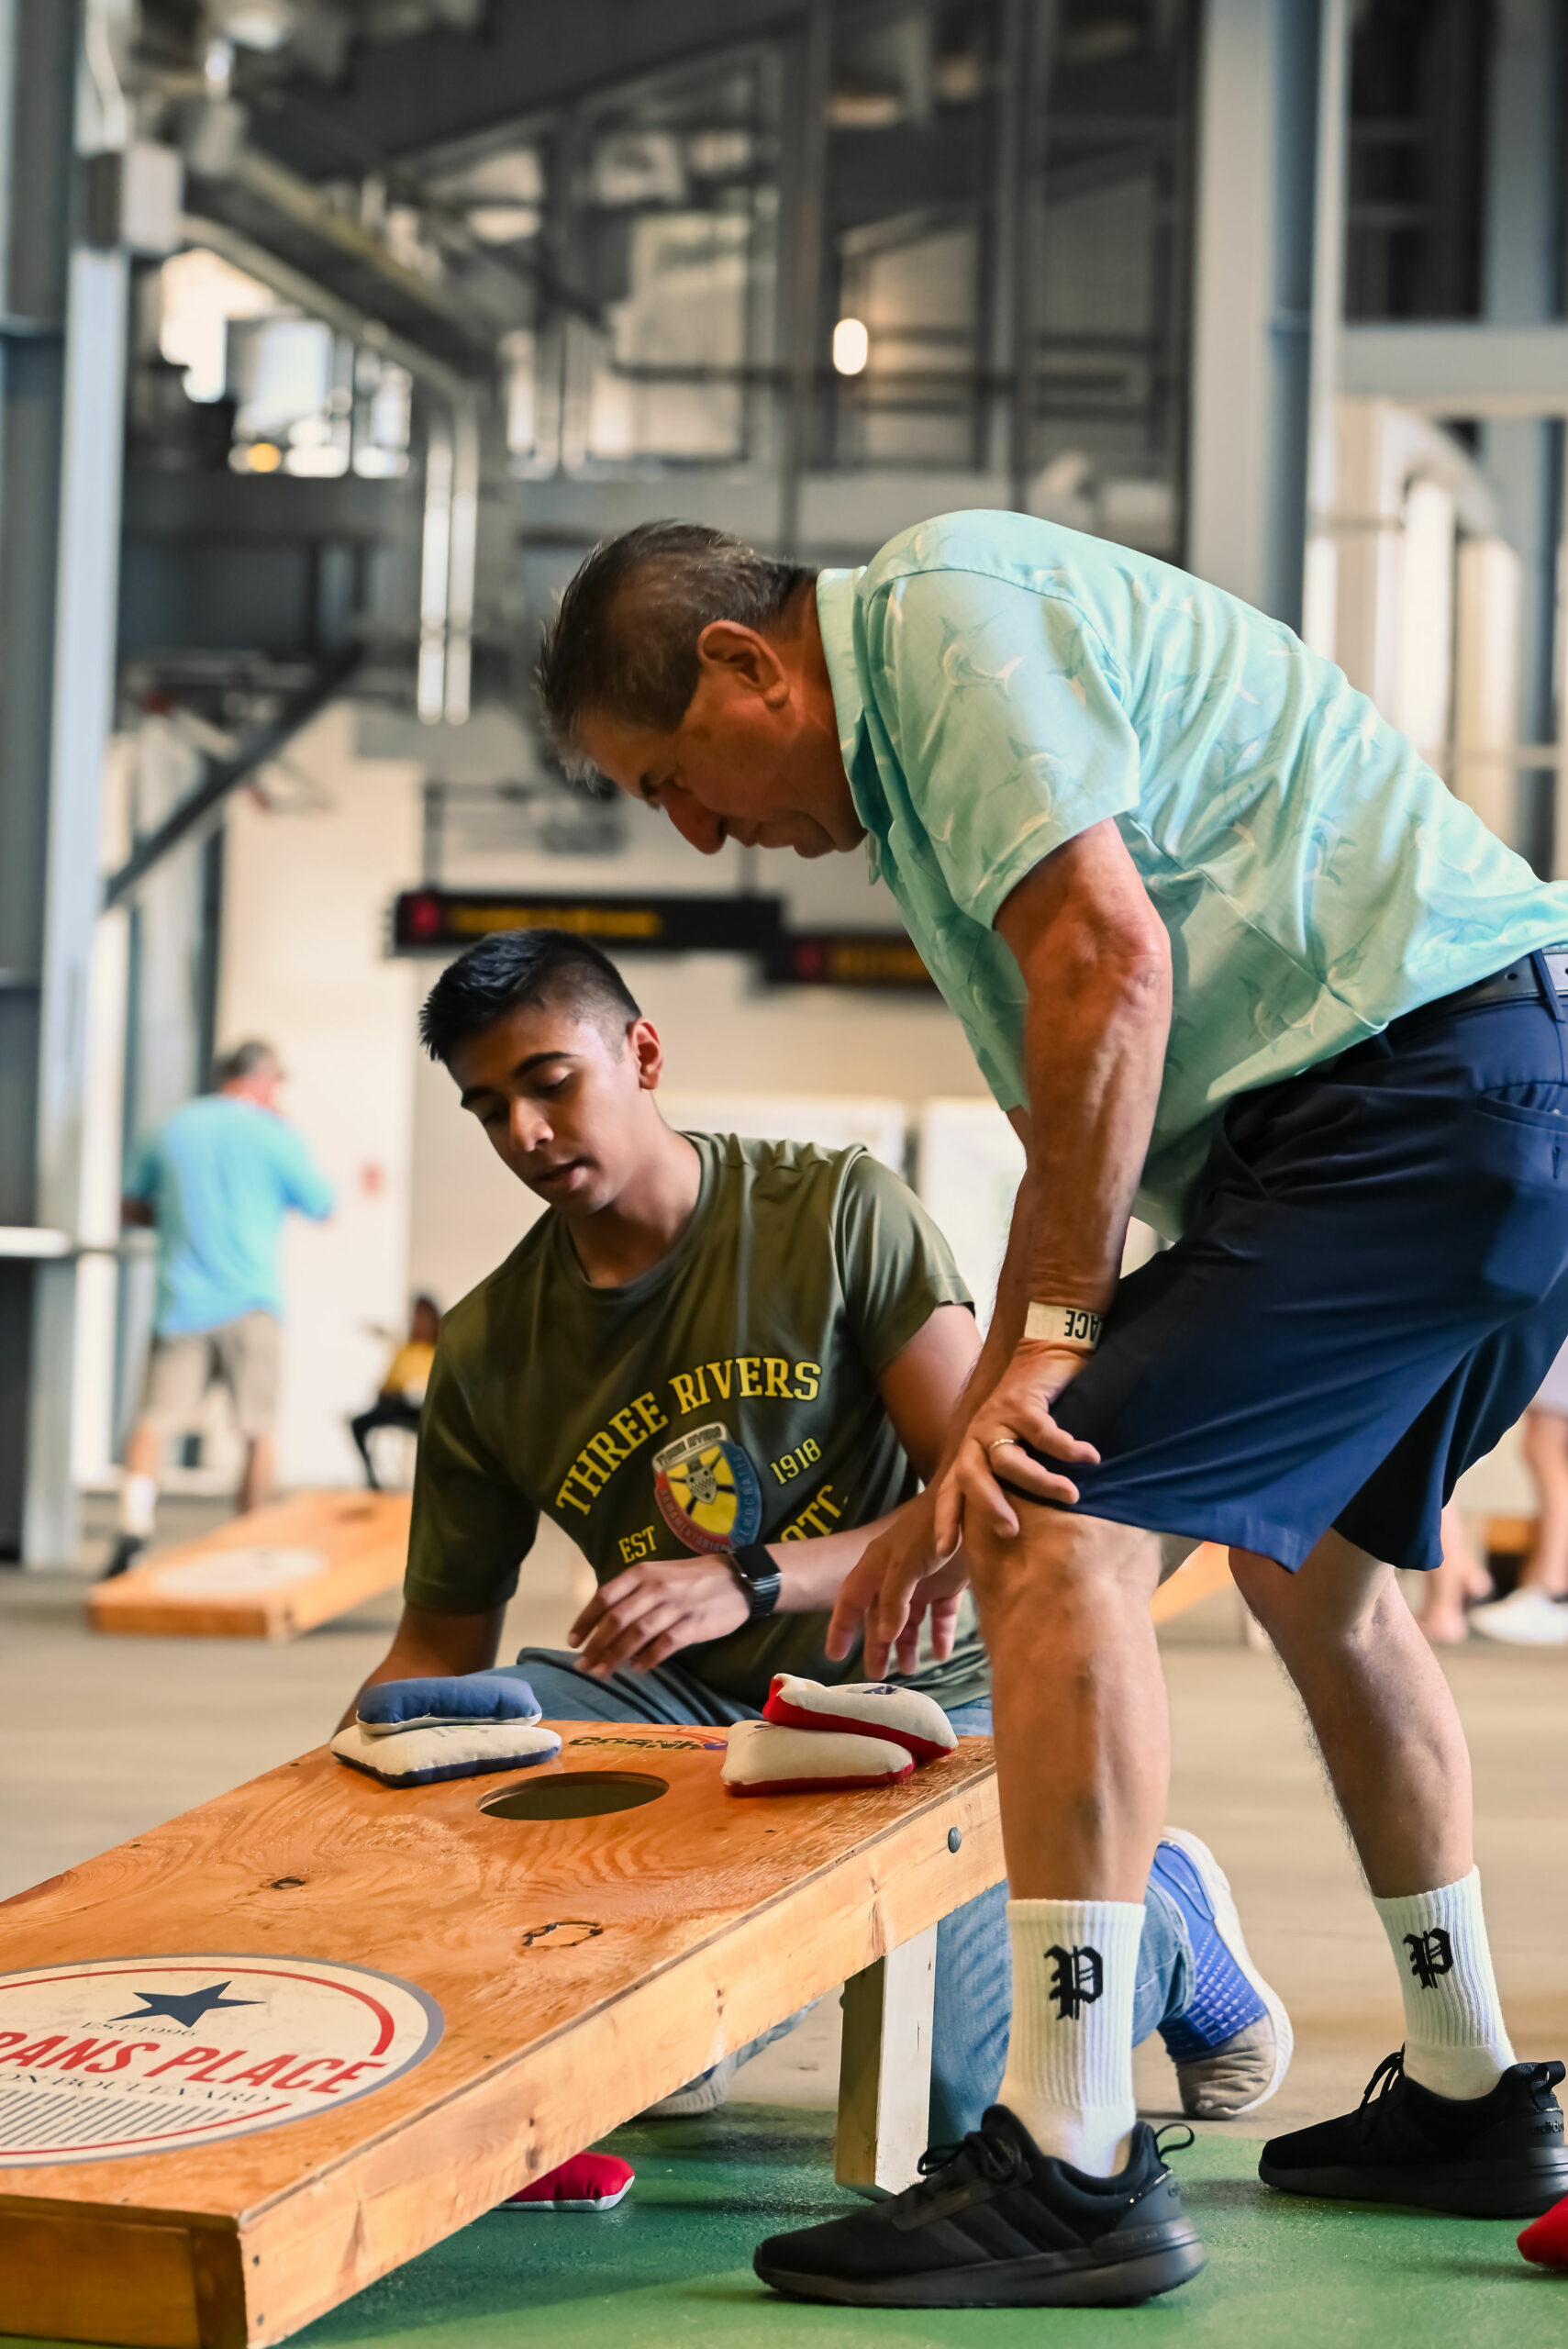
[[885, 2068]]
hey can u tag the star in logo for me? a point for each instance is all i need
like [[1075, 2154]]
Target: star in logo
[[185, 2006]]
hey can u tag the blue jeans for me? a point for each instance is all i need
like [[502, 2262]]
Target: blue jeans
[[974, 1960]]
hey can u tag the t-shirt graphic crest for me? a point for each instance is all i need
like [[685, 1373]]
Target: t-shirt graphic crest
[[707, 1490]]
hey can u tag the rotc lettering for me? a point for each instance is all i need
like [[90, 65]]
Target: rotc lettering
[[815, 1518]]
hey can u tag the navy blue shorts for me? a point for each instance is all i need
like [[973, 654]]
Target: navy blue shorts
[[1371, 1287]]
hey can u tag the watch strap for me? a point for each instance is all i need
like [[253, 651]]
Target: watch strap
[[759, 1577]]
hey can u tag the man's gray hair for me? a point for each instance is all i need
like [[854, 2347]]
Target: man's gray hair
[[244, 1061], [625, 637]]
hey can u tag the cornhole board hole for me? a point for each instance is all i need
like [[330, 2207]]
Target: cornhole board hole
[[270, 1575], [265, 2053]]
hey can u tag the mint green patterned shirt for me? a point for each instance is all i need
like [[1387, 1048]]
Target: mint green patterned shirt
[[1002, 683]]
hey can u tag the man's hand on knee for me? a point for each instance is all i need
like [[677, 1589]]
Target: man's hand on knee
[[1017, 1411]]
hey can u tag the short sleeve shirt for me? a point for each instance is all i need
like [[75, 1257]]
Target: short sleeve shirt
[[1002, 683], [729, 1395], [220, 1177]]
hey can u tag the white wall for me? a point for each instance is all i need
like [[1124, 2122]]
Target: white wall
[[465, 1211], [721, 1034], [305, 905]]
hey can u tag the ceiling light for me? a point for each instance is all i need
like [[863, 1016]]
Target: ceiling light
[[851, 347]]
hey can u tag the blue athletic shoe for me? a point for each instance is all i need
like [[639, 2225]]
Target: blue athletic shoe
[[1231, 2042]]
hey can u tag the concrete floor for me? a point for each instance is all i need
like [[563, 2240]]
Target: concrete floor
[[102, 1737]]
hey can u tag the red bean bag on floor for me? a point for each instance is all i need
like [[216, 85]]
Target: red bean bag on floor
[[587, 2182], [1545, 2240]]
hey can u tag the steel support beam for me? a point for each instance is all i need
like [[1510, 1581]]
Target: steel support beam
[[224, 775], [86, 601], [1252, 299], [1459, 369], [38, 42]]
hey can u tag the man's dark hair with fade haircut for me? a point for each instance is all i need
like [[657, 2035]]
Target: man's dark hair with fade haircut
[[597, 654], [514, 967]]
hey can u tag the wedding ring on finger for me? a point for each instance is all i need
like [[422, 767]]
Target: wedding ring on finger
[[998, 1441]]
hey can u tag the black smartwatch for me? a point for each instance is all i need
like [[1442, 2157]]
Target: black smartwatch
[[758, 1577]]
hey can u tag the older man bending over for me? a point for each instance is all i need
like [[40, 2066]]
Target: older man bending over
[[1224, 947]]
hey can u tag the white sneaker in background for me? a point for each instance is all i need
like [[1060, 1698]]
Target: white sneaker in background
[[1529, 1618]]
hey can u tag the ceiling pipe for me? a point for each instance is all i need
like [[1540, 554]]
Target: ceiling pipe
[[449, 556]]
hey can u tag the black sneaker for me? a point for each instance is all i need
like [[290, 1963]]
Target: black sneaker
[[1494, 2156], [997, 2223], [124, 1555]]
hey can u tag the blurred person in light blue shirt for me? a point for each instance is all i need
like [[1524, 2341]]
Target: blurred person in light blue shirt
[[214, 1182]]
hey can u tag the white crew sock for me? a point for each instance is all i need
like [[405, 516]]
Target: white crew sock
[[1069, 2075], [139, 1502], [1455, 2044]]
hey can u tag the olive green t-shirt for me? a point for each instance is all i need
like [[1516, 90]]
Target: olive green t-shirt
[[729, 1395]]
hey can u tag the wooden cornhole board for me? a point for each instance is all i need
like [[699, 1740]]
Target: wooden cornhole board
[[270, 1575], [424, 2006]]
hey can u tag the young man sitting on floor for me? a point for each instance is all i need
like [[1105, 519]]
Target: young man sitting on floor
[[721, 1364]]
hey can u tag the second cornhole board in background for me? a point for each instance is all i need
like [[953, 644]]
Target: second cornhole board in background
[[1198, 1576], [270, 1575]]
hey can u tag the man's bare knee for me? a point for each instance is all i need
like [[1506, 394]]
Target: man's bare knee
[[1059, 1558], [1336, 1595]]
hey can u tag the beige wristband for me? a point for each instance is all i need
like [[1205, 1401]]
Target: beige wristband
[[1064, 1325]]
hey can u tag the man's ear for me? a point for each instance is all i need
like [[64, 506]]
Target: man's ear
[[646, 1053], [744, 659]]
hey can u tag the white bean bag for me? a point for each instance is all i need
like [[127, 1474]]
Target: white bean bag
[[765, 1760], [864, 1709], [419, 1757]]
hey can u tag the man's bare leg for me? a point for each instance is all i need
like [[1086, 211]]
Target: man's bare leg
[[1082, 1757], [1082, 1725], [1386, 1725], [1461, 1577], [1383, 1713], [1530, 1616], [143, 1452], [138, 1499], [256, 1482], [1544, 1436]]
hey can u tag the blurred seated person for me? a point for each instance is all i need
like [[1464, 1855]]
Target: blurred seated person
[[401, 1396]]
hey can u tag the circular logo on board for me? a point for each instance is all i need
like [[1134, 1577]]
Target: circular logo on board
[[239, 1574], [706, 1490], [121, 2055]]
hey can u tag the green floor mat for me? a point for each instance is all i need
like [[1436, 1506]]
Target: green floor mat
[[672, 2267]]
